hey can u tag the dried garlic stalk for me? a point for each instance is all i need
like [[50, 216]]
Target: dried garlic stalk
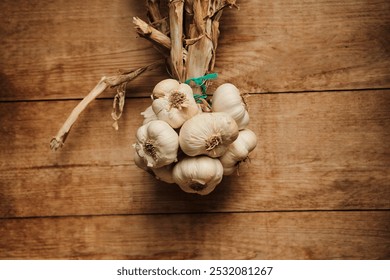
[[187, 35], [155, 16], [102, 85], [193, 34], [152, 34]]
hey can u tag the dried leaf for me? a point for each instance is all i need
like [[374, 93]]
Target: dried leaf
[[176, 28], [118, 104], [155, 17]]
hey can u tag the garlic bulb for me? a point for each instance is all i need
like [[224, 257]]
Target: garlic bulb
[[149, 115], [208, 134], [227, 98], [176, 106], [140, 162], [238, 151], [179, 142], [198, 174], [157, 143], [164, 87], [164, 173]]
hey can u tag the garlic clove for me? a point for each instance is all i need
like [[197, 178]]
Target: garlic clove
[[208, 134], [198, 175], [164, 173], [164, 87], [157, 143], [238, 151], [229, 170], [243, 121], [149, 115], [140, 162], [227, 98], [249, 139]]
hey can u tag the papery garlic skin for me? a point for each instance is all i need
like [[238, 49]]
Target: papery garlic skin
[[140, 162], [176, 106], [164, 87], [199, 174], [149, 115], [227, 98], [157, 143], [238, 151], [164, 173], [208, 134]]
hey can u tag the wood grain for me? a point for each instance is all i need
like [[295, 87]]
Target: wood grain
[[326, 150], [60, 49], [307, 235], [317, 186]]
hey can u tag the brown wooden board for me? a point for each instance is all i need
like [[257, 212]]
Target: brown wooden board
[[61, 49], [327, 150], [316, 187], [306, 235]]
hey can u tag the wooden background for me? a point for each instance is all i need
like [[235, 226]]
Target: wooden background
[[317, 187]]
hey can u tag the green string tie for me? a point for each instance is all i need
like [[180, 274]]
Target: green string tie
[[201, 82]]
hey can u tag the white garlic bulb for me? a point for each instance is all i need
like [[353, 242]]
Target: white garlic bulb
[[176, 106], [149, 115], [164, 87], [211, 144], [238, 151], [198, 174], [208, 134], [164, 173], [157, 143], [227, 98], [140, 162]]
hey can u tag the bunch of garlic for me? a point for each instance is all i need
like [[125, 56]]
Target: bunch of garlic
[[179, 143]]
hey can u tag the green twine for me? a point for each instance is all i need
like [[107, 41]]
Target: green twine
[[200, 81], [198, 97]]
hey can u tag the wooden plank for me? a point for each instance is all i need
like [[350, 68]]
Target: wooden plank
[[325, 150], [284, 45], [59, 50], [306, 235]]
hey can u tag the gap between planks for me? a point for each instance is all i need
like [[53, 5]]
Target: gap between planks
[[332, 235], [198, 213], [210, 94], [258, 53], [318, 152]]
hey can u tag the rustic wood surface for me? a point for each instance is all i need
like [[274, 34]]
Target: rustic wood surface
[[345, 235], [313, 153], [60, 49], [317, 185]]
